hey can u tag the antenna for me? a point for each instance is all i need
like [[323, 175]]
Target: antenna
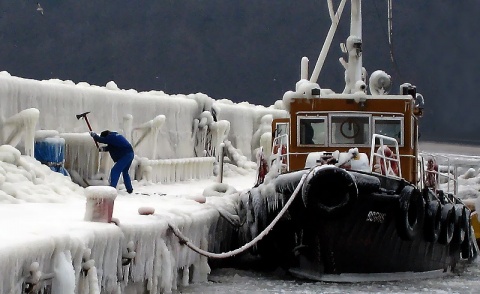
[[390, 22]]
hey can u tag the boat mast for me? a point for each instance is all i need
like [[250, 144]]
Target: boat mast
[[353, 72], [353, 68], [335, 18]]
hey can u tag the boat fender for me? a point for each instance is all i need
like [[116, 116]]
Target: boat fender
[[432, 226], [411, 213], [366, 184], [286, 183], [461, 223], [328, 191], [467, 247], [218, 189], [448, 224]]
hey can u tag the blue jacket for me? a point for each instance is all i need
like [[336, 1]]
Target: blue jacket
[[117, 145]]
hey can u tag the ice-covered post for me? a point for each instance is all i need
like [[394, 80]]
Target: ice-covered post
[[354, 48], [150, 129], [22, 123], [100, 201], [220, 155], [304, 68], [127, 126]]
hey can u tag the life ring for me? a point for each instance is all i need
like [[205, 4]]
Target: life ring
[[411, 213], [389, 161], [328, 191], [448, 224], [433, 215], [283, 151], [461, 223]]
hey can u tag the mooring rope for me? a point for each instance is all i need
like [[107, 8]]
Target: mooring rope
[[186, 241]]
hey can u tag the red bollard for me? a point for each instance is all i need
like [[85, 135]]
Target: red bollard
[[100, 202]]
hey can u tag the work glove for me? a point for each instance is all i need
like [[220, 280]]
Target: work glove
[[102, 149], [93, 134]]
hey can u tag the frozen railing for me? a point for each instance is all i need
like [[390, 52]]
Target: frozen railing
[[175, 170], [444, 169], [386, 162], [82, 158], [148, 132], [280, 151], [88, 165], [21, 124]]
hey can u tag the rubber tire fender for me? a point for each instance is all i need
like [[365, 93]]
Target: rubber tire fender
[[432, 225], [411, 213], [461, 223], [328, 191], [448, 224]]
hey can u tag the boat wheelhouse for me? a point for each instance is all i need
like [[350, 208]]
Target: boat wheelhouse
[[353, 198]]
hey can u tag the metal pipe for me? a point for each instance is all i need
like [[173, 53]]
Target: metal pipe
[[304, 68], [327, 43], [220, 155]]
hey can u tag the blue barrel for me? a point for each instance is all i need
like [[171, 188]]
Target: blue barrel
[[51, 152]]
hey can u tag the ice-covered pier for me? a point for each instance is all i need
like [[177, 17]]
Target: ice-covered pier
[[50, 246], [46, 243]]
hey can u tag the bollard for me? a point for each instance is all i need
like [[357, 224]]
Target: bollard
[[100, 201]]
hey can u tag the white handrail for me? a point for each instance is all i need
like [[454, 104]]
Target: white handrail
[[395, 158]]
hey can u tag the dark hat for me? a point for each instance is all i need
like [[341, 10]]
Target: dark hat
[[104, 133]]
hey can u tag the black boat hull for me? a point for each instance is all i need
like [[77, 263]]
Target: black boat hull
[[373, 237]]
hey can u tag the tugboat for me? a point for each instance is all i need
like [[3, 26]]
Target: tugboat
[[358, 202]]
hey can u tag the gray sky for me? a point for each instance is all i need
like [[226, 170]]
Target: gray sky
[[247, 50]]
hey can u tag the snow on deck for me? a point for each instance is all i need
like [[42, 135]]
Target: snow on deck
[[44, 232]]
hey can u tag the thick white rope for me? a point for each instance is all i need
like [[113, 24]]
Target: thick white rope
[[186, 241]]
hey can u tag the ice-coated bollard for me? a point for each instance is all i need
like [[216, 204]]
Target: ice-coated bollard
[[100, 201]]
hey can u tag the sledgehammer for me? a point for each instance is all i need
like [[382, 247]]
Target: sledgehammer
[[84, 115]]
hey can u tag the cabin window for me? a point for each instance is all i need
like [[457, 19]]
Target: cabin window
[[350, 130], [281, 130], [311, 130], [391, 127]]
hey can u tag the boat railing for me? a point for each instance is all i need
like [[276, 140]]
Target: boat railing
[[444, 170], [280, 151], [388, 162]]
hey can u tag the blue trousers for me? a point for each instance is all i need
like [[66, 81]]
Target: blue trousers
[[122, 166]]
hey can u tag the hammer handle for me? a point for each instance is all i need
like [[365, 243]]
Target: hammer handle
[[90, 128]]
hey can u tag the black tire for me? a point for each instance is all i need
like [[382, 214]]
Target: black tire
[[411, 213], [461, 223], [328, 191], [433, 215], [448, 224]]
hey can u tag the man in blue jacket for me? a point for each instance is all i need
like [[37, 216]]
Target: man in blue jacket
[[121, 152]]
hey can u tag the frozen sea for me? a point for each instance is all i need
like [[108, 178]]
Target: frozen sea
[[249, 276]]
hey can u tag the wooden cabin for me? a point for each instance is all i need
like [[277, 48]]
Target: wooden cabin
[[340, 122]]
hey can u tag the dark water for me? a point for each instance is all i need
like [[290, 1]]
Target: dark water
[[466, 279]]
